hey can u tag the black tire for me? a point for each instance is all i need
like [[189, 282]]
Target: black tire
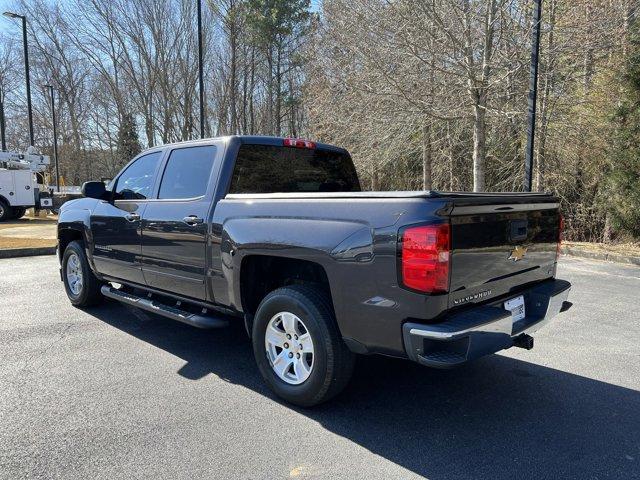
[[5, 211], [332, 361], [89, 293], [18, 212]]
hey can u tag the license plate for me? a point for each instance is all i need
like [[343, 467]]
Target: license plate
[[516, 307]]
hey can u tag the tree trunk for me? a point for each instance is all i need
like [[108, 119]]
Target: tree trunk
[[451, 155], [607, 232], [588, 57], [629, 18], [270, 92], [479, 141], [148, 126], [233, 102], [427, 156], [245, 84], [252, 83], [375, 181], [278, 106], [540, 159], [293, 130], [478, 86], [549, 77]]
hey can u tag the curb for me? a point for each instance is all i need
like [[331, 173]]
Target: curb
[[26, 252], [605, 256]]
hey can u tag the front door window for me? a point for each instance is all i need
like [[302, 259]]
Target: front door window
[[136, 181]]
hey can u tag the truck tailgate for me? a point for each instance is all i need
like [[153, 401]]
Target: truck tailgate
[[500, 243]]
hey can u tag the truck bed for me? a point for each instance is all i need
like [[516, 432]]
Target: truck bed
[[519, 197], [499, 241]]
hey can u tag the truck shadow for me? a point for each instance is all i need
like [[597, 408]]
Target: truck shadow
[[495, 418]]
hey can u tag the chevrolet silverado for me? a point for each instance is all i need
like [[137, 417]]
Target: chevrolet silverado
[[277, 233]]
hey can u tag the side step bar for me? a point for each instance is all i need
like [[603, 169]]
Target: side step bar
[[193, 319]]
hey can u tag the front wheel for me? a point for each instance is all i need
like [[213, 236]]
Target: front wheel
[[298, 347], [81, 285], [5, 211]]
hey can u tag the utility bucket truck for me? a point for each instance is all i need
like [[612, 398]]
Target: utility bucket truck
[[19, 187]]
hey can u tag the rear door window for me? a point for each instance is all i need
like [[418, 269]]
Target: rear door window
[[275, 169], [187, 172]]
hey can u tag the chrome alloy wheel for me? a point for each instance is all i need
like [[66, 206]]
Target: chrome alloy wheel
[[74, 274], [289, 348]]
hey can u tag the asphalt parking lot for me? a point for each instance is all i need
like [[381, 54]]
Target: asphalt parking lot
[[113, 392]]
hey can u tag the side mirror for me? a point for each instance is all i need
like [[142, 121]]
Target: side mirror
[[94, 190]]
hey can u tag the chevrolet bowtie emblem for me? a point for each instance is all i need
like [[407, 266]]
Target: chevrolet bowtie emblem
[[518, 253]]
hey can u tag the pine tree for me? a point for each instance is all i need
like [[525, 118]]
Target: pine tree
[[128, 142], [277, 28], [623, 177]]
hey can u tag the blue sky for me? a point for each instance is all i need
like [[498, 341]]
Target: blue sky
[[7, 25]]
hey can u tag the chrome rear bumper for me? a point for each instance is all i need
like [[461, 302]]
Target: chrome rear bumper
[[484, 329]]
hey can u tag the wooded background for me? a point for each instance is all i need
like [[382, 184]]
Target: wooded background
[[424, 93]]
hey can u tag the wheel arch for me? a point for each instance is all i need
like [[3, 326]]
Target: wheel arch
[[261, 274], [74, 224], [65, 237]]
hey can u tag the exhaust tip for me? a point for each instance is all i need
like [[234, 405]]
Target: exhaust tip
[[523, 341], [565, 306]]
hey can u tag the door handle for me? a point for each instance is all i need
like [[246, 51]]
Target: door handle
[[192, 220], [132, 217]]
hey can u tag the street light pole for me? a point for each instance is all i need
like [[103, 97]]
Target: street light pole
[[3, 139], [533, 95], [200, 71], [26, 69], [26, 73], [55, 136]]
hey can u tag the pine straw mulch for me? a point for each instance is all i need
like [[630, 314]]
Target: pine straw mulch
[[627, 249]]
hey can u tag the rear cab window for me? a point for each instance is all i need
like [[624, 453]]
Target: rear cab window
[[187, 173], [278, 169]]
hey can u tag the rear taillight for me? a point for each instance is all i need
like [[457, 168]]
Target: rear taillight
[[560, 233], [425, 257], [298, 143]]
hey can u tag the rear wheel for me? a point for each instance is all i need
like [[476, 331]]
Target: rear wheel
[[298, 347], [18, 212], [81, 285], [5, 211]]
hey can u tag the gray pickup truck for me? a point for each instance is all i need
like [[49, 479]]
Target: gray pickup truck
[[277, 233]]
